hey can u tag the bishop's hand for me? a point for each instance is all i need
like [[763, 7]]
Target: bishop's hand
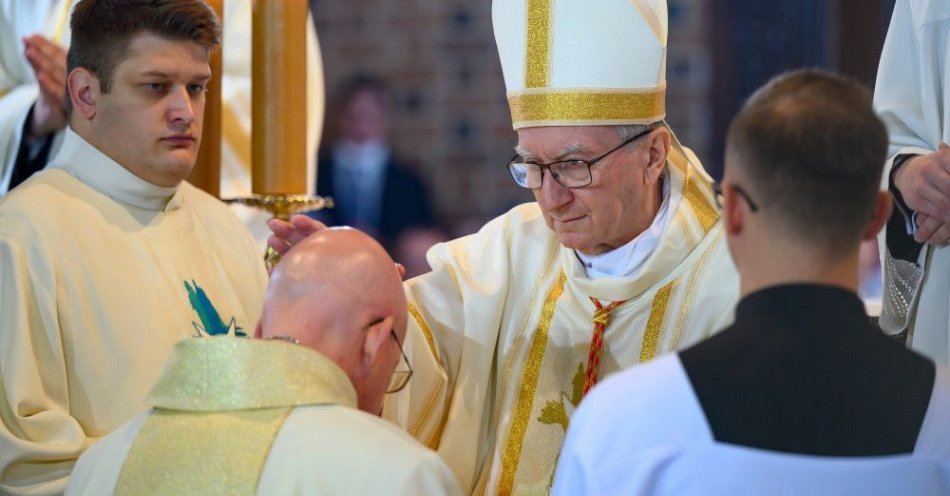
[[287, 234]]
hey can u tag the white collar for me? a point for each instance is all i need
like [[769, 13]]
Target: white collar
[[95, 169], [625, 261]]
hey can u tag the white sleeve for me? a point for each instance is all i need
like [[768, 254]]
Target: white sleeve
[[897, 94], [39, 439]]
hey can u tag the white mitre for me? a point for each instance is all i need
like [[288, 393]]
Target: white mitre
[[583, 62]]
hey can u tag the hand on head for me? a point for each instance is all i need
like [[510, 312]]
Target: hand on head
[[288, 234], [48, 61], [339, 293]]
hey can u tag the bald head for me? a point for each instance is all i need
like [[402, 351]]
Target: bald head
[[328, 279], [335, 292]]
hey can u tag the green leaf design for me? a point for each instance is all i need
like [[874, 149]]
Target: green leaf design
[[553, 413], [578, 383]]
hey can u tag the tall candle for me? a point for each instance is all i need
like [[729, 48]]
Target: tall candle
[[207, 171], [279, 96]]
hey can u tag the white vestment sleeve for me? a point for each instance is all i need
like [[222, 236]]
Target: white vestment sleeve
[[457, 310], [39, 439], [897, 90]]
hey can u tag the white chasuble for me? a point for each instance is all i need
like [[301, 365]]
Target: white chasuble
[[501, 333]]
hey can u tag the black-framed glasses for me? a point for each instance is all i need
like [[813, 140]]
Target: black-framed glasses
[[717, 192], [400, 377], [573, 173]]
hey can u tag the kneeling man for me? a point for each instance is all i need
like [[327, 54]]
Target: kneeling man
[[281, 414]]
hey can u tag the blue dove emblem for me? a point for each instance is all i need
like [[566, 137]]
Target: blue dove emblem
[[211, 322]]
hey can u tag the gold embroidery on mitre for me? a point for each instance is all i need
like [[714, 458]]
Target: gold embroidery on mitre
[[587, 105], [537, 60]]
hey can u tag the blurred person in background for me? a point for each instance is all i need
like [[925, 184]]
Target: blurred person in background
[[374, 190]]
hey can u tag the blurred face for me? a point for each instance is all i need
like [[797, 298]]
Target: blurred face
[[364, 118], [614, 208], [150, 121]]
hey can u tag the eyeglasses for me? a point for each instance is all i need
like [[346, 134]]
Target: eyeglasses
[[717, 192], [400, 377], [573, 173]]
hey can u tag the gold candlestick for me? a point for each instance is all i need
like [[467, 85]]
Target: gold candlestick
[[282, 206], [279, 97]]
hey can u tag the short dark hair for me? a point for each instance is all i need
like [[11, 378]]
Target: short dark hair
[[813, 150], [103, 29]]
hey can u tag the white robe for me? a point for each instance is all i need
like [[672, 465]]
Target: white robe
[[323, 446], [18, 92], [912, 95], [644, 432], [502, 327], [101, 273]]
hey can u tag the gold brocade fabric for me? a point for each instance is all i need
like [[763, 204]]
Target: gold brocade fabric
[[586, 106], [218, 407], [205, 453]]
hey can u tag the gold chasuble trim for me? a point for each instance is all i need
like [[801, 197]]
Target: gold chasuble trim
[[586, 105], [705, 213], [426, 331], [537, 70], [428, 407], [651, 336], [219, 404], [224, 452], [687, 302], [529, 383]]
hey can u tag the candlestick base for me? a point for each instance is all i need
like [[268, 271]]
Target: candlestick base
[[282, 206]]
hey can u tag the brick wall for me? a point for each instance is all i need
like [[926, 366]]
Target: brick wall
[[450, 113]]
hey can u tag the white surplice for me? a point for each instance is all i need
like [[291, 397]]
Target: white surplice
[[912, 95], [644, 432]]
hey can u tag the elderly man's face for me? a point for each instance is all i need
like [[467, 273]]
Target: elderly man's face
[[609, 212]]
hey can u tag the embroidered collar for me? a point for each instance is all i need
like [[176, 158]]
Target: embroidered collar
[[229, 373]]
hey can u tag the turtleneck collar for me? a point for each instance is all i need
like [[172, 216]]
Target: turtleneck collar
[[92, 167]]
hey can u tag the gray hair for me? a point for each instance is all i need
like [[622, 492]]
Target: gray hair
[[628, 131]]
